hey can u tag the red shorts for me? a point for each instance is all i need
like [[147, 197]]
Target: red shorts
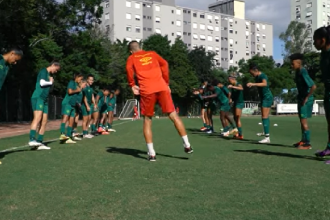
[[163, 98]]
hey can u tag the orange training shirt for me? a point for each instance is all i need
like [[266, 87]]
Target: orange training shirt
[[151, 71]]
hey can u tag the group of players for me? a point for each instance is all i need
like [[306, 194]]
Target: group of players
[[79, 101], [151, 72]]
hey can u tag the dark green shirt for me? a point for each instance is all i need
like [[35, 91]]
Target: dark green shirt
[[4, 67], [237, 95], [225, 90], [264, 92], [88, 93], [325, 70], [221, 96], [71, 85], [103, 100], [113, 101], [42, 92], [304, 84], [76, 98]]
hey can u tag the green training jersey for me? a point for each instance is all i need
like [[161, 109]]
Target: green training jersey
[[237, 95], [76, 98], [88, 93], [4, 67], [304, 84], [71, 85], [264, 92], [42, 92], [113, 101], [103, 100], [221, 96], [325, 70]]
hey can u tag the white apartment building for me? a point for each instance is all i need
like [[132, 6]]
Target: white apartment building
[[315, 13], [231, 38]]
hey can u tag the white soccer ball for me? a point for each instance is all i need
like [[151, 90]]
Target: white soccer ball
[[157, 117], [275, 125], [260, 123]]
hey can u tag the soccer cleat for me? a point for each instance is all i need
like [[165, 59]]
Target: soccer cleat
[[34, 143], [298, 144], [43, 147], [100, 130], [152, 158], [261, 134], [76, 134], [266, 140], [304, 146], [323, 153], [111, 129], [70, 141], [225, 134], [63, 137], [76, 138], [87, 136], [233, 131], [238, 137], [209, 131], [188, 150], [203, 128]]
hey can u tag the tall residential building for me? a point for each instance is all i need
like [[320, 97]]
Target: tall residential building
[[235, 8], [315, 13], [231, 38]]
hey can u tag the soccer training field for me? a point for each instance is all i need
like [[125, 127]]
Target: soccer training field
[[108, 177]]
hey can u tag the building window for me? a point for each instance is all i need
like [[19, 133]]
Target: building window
[[309, 5], [210, 28], [138, 40], [137, 5], [149, 29], [128, 4], [195, 36], [258, 37], [195, 25], [216, 18], [137, 17], [157, 19], [128, 16], [185, 11], [209, 48], [184, 33], [209, 38], [172, 22], [247, 53], [144, 16], [128, 39], [194, 15], [107, 16], [107, 5], [178, 23], [202, 37], [209, 17], [178, 34], [202, 16], [308, 14], [189, 34], [137, 29], [157, 8], [158, 31], [129, 28], [231, 42], [217, 29], [144, 28], [107, 28], [247, 33], [178, 11], [247, 44], [202, 26], [263, 36], [263, 27], [217, 39], [231, 31]]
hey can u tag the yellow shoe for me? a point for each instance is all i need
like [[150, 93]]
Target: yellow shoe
[[63, 137], [70, 141], [233, 131]]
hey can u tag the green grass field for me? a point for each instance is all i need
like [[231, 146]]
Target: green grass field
[[108, 177]]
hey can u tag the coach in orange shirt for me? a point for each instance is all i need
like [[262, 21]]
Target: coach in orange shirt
[[152, 75]]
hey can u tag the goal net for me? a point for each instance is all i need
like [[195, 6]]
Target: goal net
[[128, 112]]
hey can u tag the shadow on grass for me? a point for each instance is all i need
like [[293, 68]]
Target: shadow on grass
[[137, 153], [269, 153]]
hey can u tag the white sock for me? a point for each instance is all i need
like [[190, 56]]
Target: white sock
[[186, 141], [151, 149]]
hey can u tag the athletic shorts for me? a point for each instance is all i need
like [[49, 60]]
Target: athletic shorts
[[103, 109], [212, 107], [225, 107], [84, 110], [267, 103], [305, 111], [239, 105], [163, 98], [110, 109], [93, 109], [39, 104], [69, 110]]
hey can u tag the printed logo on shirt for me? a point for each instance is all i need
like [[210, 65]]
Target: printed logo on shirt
[[146, 61]]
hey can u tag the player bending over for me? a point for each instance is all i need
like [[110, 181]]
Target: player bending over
[[322, 43], [305, 99], [152, 75], [238, 103], [39, 101], [266, 96], [102, 105], [69, 109], [87, 105], [111, 107]]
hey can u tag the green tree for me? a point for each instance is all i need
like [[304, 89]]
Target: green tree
[[158, 43], [295, 39]]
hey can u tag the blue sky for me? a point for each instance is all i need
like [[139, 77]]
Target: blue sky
[[275, 12]]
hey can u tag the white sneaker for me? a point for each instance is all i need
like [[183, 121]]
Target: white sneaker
[[233, 131], [87, 136], [75, 134], [34, 143], [111, 129], [43, 147], [70, 141], [225, 134], [91, 135], [77, 139], [266, 140], [209, 132], [261, 134]]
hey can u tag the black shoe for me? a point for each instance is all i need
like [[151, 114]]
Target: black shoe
[[188, 150], [152, 158]]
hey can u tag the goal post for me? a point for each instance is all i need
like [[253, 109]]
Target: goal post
[[320, 105], [127, 113]]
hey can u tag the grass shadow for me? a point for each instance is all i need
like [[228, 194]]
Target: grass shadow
[[137, 153], [269, 153]]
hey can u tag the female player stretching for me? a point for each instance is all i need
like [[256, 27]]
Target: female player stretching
[[266, 96], [238, 103]]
